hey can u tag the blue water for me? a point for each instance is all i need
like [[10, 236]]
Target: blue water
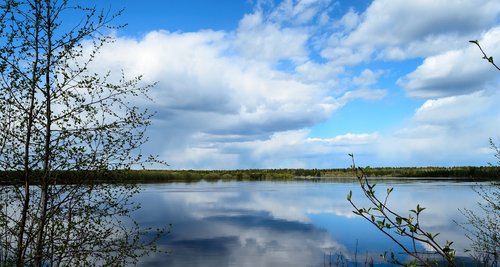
[[289, 223]]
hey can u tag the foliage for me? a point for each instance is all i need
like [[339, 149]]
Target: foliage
[[496, 150], [91, 226], [396, 225], [484, 231], [59, 118]]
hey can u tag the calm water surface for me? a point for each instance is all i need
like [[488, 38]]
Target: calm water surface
[[288, 223]]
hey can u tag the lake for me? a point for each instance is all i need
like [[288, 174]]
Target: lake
[[298, 223]]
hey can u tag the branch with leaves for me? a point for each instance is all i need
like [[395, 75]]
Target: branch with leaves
[[59, 120], [483, 231], [395, 225], [489, 58]]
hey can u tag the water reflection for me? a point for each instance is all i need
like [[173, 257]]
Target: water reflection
[[286, 224], [80, 225]]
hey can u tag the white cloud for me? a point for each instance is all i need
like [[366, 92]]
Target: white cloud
[[363, 93], [311, 72], [456, 71], [294, 149], [299, 12], [366, 78], [350, 20], [448, 131], [421, 28], [258, 40], [203, 89], [455, 109], [347, 55], [249, 98], [348, 139]]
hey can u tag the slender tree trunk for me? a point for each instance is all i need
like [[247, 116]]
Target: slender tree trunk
[[21, 247], [46, 161]]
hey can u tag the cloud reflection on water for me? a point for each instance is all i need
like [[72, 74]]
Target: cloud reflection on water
[[277, 224]]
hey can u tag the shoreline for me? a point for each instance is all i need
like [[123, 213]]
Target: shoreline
[[483, 173]]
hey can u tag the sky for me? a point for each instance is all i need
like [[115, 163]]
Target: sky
[[302, 83]]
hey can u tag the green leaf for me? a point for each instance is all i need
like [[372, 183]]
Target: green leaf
[[429, 235], [419, 209], [389, 190]]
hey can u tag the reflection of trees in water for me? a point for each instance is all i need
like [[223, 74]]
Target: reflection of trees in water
[[86, 225]]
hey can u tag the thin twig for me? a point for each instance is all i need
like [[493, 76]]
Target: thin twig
[[490, 59]]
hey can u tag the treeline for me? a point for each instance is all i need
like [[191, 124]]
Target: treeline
[[149, 176], [153, 176], [481, 172], [211, 175]]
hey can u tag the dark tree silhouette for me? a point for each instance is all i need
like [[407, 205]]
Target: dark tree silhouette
[[62, 122]]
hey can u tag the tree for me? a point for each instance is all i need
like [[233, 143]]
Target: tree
[[61, 123], [483, 231]]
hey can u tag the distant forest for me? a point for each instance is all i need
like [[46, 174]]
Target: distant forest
[[490, 173], [483, 173]]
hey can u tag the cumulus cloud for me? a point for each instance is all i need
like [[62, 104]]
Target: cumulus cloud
[[204, 90], [366, 78], [455, 109], [456, 71], [268, 41], [350, 20], [422, 28], [347, 55], [447, 131], [300, 12], [248, 98]]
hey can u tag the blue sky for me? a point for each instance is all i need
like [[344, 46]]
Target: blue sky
[[302, 83]]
